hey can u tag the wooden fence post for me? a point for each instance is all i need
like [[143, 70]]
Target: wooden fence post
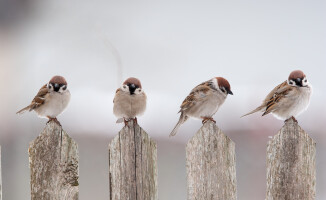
[[0, 177], [210, 161], [291, 170], [53, 161], [133, 165]]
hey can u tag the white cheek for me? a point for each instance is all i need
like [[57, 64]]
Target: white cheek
[[124, 88], [138, 91]]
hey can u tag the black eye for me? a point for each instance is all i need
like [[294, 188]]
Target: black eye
[[64, 87], [49, 86], [223, 90], [124, 87], [305, 81]]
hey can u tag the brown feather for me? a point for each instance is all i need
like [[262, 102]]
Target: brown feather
[[222, 82], [201, 89], [38, 100], [58, 80], [296, 74], [134, 81], [272, 99]]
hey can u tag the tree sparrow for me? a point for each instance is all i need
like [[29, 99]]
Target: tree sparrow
[[204, 101], [129, 100], [289, 99], [51, 100]]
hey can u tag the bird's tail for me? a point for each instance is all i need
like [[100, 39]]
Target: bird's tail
[[182, 119], [256, 110], [23, 110]]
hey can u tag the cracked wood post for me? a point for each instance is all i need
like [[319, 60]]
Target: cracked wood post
[[133, 165], [291, 169], [53, 162], [0, 177], [210, 161]]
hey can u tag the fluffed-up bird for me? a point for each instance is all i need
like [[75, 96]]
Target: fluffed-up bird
[[51, 100], [129, 101], [288, 99], [204, 101]]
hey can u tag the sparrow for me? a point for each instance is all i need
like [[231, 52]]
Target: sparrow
[[288, 99], [51, 100], [204, 101], [129, 101]]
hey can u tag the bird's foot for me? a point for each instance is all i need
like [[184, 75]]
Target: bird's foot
[[53, 119], [127, 120], [135, 120], [293, 118], [205, 119]]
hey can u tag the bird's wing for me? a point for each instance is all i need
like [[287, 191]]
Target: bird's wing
[[116, 93], [272, 98], [275, 96], [38, 100], [198, 94]]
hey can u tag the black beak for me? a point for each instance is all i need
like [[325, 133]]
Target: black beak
[[230, 92], [298, 82], [132, 88], [56, 87]]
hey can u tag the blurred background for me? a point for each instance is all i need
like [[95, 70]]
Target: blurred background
[[171, 46]]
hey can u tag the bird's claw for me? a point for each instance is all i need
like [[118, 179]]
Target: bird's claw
[[126, 121], [205, 119], [53, 119]]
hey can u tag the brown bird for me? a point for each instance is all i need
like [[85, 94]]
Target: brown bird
[[129, 101], [204, 101], [288, 99], [51, 100]]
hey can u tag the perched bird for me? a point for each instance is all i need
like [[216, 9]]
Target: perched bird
[[51, 100], [288, 99], [129, 101], [204, 101]]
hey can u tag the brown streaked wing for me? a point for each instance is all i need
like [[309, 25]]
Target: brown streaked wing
[[196, 95], [275, 96], [116, 92], [39, 98]]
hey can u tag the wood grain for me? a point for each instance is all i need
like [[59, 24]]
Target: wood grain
[[53, 161], [210, 161], [133, 165], [291, 165]]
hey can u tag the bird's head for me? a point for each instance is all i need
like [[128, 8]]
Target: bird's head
[[57, 84], [132, 85], [298, 78], [224, 85]]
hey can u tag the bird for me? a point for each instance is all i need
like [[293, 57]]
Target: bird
[[203, 101], [129, 101], [51, 100], [288, 99]]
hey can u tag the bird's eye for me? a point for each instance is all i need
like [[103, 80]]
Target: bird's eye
[[223, 90], [305, 81], [291, 82], [64, 87], [49, 86], [124, 87]]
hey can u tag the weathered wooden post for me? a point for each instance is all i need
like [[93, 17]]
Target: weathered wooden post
[[133, 165], [0, 177], [291, 170], [53, 161], [211, 165]]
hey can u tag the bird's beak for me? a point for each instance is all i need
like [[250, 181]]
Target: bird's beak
[[56, 87], [230, 92], [132, 88], [298, 81]]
